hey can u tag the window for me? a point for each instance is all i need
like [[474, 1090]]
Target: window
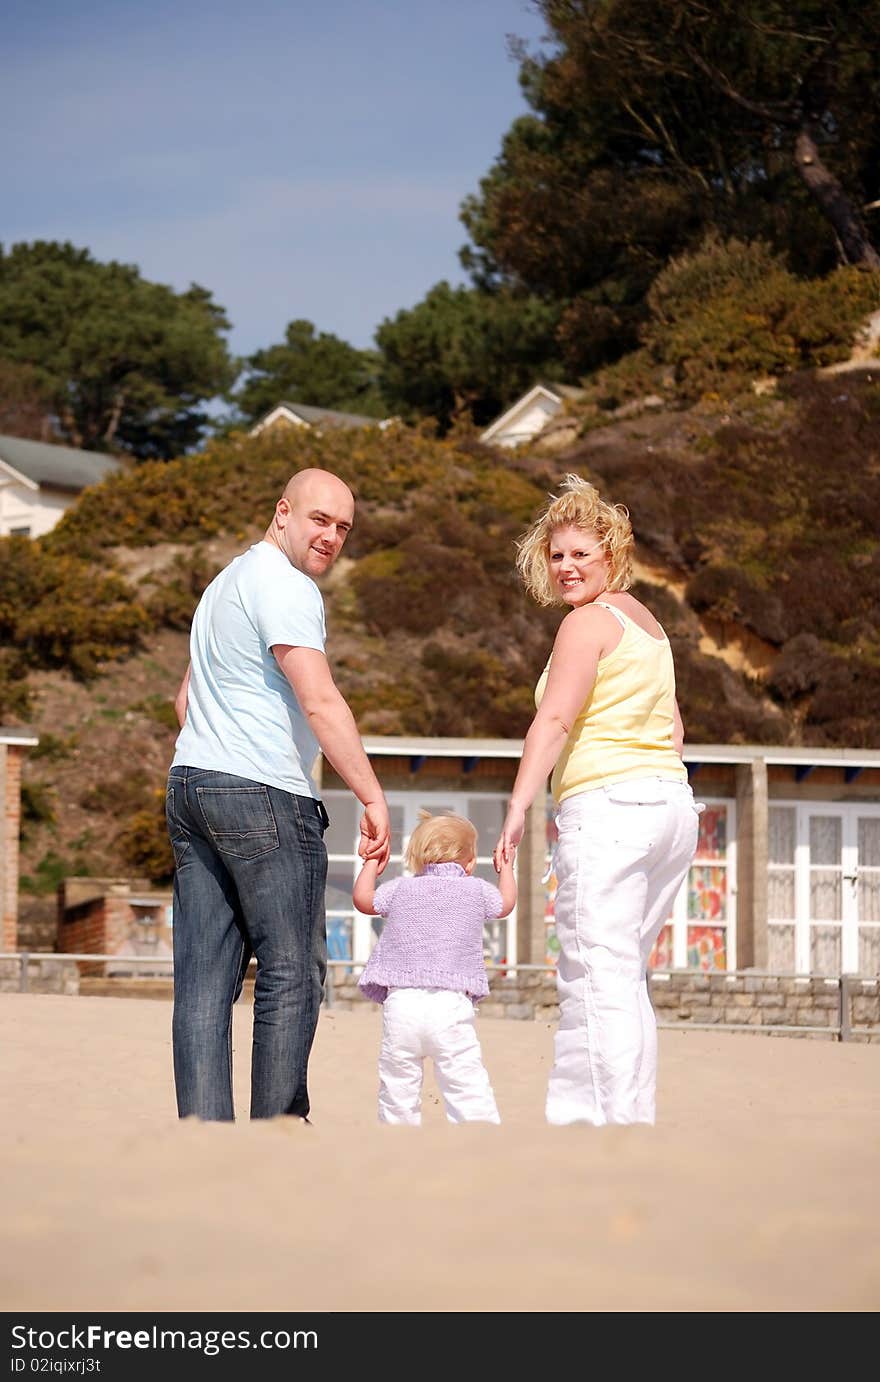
[[824, 887], [708, 896], [701, 930], [781, 838], [350, 935]]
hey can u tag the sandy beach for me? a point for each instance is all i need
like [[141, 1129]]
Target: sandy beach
[[757, 1191]]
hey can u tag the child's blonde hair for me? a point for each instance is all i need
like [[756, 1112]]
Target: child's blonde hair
[[440, 840]]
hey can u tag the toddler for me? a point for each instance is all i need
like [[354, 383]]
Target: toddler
[[427, 970]]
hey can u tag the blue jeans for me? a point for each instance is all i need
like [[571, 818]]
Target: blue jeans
[[251, 870]]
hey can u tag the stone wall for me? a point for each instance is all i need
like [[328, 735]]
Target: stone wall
[[794, 1005], [42, 974], [748, 1001]]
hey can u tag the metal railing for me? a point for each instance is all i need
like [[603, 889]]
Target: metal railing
[[62, 957]]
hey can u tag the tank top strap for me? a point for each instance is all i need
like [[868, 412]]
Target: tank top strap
[[618, 614]]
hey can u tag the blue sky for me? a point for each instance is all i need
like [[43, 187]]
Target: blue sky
[[299, 159]]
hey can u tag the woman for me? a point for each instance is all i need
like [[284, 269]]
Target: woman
[[608, 720]]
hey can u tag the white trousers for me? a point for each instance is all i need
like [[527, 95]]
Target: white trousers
[[435, 1023], [621, 856]]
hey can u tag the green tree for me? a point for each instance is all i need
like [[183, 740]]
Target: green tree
[[311, 367], [25, 403], [464, 351], [655, 123], [125, 364]]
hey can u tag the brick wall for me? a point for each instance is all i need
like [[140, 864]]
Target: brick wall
[[84, 928], [11, 806], [100, 915]]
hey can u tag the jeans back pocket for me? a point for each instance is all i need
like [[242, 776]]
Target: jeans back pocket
[[240, 820]]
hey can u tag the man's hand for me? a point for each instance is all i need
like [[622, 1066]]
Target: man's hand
[[375, 841]]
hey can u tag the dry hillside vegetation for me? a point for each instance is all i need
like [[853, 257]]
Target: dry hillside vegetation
[[757, 525]]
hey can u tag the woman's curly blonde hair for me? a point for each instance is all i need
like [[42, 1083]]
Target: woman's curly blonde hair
[[578, 506]]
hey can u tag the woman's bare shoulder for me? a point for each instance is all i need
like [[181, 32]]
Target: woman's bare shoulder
[[584, 619], [635, 610], [588, 626]]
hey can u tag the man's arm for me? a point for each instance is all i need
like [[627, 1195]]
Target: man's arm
[[180, 700], [333, 725]]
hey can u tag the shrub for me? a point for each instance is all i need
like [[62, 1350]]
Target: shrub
[[15, 694], [117, 796], [411, 587], [729, 594], [732, 310], [159, 709], [173, 601], [84, 619], [799, 668], [144, 841], [54, 747], [62, 612], [49, 873], [37, 806], [716, 707]]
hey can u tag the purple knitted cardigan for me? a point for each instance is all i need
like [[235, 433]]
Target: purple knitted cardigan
[[433, 937]]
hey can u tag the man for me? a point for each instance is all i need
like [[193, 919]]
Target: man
[[244, 817]]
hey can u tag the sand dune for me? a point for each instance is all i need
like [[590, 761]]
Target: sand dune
[[757, 1191]]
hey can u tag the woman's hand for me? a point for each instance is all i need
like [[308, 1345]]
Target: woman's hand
[[511, 834], [375, 833]]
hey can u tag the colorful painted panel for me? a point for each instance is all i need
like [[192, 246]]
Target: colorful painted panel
[[661, 955], [712, 842], [549, 877], [707, 947], [339, 937], [551, 944], [550, 897], [707, 893]]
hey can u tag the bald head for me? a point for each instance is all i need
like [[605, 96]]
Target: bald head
[[305, 483], [312, 519]]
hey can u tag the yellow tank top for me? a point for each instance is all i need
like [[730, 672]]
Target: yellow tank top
[[625, 726]]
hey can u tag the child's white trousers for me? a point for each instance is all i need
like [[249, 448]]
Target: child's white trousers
[[621, 856], [417, 1023]]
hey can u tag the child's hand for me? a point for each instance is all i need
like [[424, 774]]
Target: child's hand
[[507, 886], [511, 834], [365, 886]]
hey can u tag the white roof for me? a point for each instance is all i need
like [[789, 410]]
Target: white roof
[[415, 746], [25, 737]]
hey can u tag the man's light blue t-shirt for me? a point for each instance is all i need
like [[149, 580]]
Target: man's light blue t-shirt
[[242, 716]]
